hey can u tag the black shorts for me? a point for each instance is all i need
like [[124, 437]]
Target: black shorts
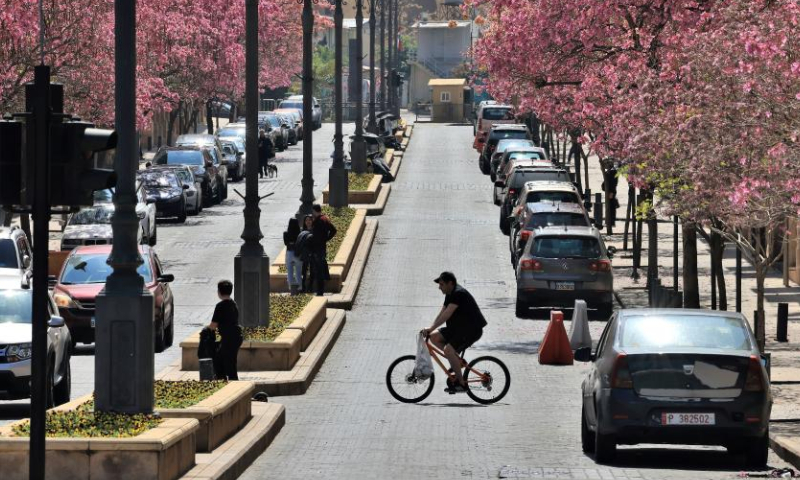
[[460, 339]]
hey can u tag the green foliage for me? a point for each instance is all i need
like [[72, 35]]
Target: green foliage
[[85, 422], [283, 310], [323, 70], [359, 181], [184, 393]]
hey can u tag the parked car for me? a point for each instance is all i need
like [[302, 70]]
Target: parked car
[[235, 158], [194, 190], [92, 226], [530, 216], [276, 126], [202, 165], [145, 211], [502, 147], [289, 121], [500, 132], [167, 193], [296, 101], [233, 130], [562, 264], [499, 185], [489, 115], [214, 147], [16, 336], [83, 276], [676, 376], [297, 116], [515, 152], [16, 259], [516, 180]]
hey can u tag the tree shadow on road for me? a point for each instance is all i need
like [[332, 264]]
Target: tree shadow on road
[[489, 348], [678, 458]]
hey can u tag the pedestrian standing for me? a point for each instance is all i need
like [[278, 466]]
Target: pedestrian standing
[[294, 265], [323, 231], [303, 251], [226, 322], [610, 182], [263, 153]]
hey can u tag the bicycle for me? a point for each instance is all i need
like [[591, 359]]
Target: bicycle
[[487, 378]]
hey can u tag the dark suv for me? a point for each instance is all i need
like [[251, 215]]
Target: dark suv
[[497, 133], [202, 165]]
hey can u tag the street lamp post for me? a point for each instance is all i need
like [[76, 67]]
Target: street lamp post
[[372, 127], [389, 58], [383, 54], [396, 56], [251, 264], [337, 176], [307, 196], [358, 148], [124, 347]]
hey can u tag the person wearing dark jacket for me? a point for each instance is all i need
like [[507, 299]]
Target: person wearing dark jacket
[[226, 322], [294, 265], [610, 183], [265, 152], [304, 252], [323, 231]]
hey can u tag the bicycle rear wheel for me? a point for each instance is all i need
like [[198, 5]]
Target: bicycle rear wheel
[[402, 383], [488, 380]]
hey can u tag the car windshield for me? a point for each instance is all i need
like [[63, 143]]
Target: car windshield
[[526, 156], [504, 134], [519, 178], [565, 197], [92, 216], [15, 306], [201, 141], [104, 196], [496, 113], [160, 180], [566, 247], [231, 132], [556, 219], [684, 331], [92, 268], [291, 104], [8, 254], [180, 157]]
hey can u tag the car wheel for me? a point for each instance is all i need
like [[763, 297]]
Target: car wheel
[[169, 335], [182, 216], [218, 196], [522, 308], [587, 439], [225, 191], [63, 390], [154, 238], [159, 335], [758, 452], [505, 225], [495, 198], [493, 177], [605, 446], [50, 387]]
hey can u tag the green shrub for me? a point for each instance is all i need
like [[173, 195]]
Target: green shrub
[[283, 310], [359, 181], [85, 422], [184, 394]]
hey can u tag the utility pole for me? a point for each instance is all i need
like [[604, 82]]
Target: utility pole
[[396, 77], [358, 149], [390, 59], [372, 127], [124, 329], [337, 176], [307, 195], [383, 54], [251, 264]]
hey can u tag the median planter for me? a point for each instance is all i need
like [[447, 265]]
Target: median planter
[[163, 452], [356, 195]]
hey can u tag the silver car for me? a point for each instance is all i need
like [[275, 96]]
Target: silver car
[[531, 216], [91, 226], [562, 264], [676, 376], [15, 347], [145, 211], [16, 259]]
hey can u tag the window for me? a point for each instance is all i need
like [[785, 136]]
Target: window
[[674, 331], [565, 247], [444, 97], [8, 254]]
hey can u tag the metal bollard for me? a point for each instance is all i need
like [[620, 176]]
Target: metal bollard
[[783, 322], [598, 210], [587, 199]]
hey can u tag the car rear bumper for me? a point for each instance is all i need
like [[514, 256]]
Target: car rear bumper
[[547, 297], [633, 419]]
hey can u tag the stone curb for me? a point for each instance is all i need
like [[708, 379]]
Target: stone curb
[[376, 208], [346, 297], [231, 459]]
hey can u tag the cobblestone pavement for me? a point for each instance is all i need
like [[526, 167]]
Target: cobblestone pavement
[[440, 216]]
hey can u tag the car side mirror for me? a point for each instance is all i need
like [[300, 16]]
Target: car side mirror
[[499, 183], [56, 322], [612, 250], [186, 186], [584, 354], [26, 261], [166, 278]]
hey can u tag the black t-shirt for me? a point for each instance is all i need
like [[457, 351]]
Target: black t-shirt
[[226, 316], [468, 315]]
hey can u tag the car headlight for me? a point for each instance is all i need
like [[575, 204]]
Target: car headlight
[[63, 300], [190, 193], [20, 352]]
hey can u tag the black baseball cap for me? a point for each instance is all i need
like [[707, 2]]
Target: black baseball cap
[[445, 277]]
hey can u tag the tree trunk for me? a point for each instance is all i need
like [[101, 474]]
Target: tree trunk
[[171, 126], [209, 119], [761, 272], [691, 289], [717, 246]]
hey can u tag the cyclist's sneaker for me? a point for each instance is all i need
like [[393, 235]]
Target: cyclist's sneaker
[[457, 388]]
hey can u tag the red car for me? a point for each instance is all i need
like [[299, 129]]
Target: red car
[[83, 276]]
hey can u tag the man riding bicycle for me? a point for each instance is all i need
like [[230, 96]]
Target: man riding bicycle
[[465, 324]]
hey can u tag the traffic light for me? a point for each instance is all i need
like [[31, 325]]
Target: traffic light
[[10, 162], [73, 176]]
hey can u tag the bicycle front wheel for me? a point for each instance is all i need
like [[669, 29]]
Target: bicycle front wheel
[[402, 383], [488, 380]]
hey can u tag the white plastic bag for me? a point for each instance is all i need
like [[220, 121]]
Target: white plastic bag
[[423, 368]]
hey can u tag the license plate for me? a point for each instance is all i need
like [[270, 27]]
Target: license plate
[[687, 419], [565, 285], [92, 322]]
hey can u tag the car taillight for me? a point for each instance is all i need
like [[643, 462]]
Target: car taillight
[[531, 265], [512, 191], [755, 376], [621, 377], [600, 266], [524, 235]]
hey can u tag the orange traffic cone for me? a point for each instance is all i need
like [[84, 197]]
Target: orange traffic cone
[[555, 348]]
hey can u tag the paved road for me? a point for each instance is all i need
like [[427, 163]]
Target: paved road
[[347, 426]]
